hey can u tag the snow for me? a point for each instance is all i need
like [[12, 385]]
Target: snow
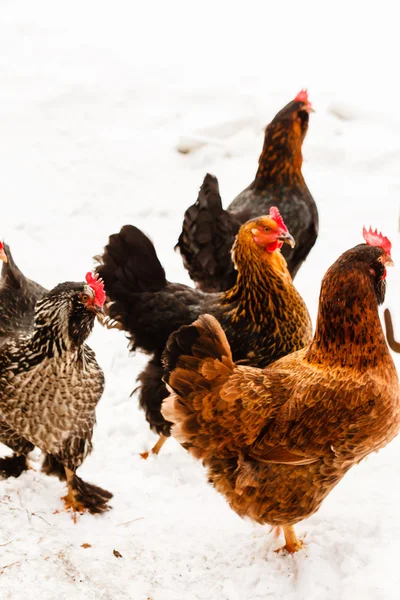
[[96, 99]]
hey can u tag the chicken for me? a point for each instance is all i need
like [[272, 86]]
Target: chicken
[[18, 296], [393, 345], [208, 230], [275, 441], [50, 384], [263, 314]]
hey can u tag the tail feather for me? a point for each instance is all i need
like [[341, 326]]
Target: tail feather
[[208, 233], [198, 362], [129, 265], [152, 392], [18, 296], [12, 276], [9, 270]]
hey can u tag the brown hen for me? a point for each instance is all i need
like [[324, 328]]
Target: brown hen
[[276, 441]]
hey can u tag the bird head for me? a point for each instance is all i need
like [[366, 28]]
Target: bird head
[[281, 157], [295, 115], [375, 238], [378, 258], [3, 255], [267, 233], [365, 263], [69, 309]]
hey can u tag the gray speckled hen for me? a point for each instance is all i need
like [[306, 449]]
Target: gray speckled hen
[[18, 297], [50, 384], [208, 231]]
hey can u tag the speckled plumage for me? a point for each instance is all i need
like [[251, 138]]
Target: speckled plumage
[[263, 314], [50, 381], [276, 441], [208, 231]]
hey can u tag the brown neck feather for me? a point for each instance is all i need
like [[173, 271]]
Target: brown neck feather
[[349, 331], [262, 277], [281, 158]]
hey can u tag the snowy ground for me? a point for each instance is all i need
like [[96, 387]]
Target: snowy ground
[[94, 101]]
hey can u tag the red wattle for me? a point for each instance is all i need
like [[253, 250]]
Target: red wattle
[[274, 246]]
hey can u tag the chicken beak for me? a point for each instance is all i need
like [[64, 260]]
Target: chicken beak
[[287, 239], [3, 255], [388, 261], [308, 108]]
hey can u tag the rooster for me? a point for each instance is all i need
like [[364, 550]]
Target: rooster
[[263, 314], [208, 231], [50, 384], [276, 441]]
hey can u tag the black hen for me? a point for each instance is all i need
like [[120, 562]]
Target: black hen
[[208, 231]]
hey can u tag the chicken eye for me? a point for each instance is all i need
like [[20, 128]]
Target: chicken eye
[[266, 228], [84, 298]]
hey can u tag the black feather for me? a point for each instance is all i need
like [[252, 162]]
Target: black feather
[[18, 297], [206, 240]]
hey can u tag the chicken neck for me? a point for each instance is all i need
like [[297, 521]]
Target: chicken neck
[[349, 331], [262, 276], [280, 160]]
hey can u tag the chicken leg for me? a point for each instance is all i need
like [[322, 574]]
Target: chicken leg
[[293, 544], [156, 448]]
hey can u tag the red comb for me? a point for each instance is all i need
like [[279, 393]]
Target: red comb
[[375, 238], [302, 96], [1, 246], [276, 216], [97, 285]]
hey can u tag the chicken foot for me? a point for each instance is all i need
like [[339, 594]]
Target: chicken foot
[[293, 544], [84, 496], [156, 448]]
